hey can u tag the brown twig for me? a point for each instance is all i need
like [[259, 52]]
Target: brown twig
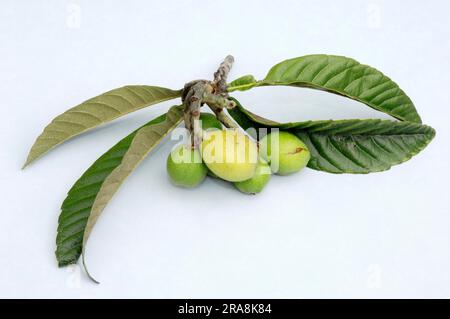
[[221, 75], [214, 94]]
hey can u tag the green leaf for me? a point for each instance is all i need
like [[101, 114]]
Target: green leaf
[[77, 207], [343, 76], [243, 83], [96, 111], [347, 77], [350, 146]]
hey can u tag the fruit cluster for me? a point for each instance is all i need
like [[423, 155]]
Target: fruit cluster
[[231, 155]]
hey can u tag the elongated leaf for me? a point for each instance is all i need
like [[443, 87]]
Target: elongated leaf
[[350, 146], [77, 207], [145, 140], [96, 111], [346, 77]]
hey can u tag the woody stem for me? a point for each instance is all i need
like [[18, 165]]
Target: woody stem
[[214, 94]]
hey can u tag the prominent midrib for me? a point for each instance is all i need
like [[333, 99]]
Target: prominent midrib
[[78, 203], [78, 120], [309, 85], [314, 86]]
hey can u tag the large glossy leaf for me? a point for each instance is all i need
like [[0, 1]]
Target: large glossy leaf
[[77, 207], [96, 111], [343, 76], [350, 146]]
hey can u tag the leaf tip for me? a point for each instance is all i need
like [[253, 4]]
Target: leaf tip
[[93, 279], [25, 165], [433, 132], [29, 160], [87, 271]]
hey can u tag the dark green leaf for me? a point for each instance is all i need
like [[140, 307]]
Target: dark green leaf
[[350, 146], [347, 77], [144, 141], [343, 76], [77, 207]]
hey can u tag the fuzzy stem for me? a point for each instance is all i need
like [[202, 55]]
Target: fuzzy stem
[[192, 103], [220, 76], [223, 117], [214, 94], [219, 101]]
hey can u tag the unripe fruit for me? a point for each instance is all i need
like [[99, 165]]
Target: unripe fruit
[[285, 152], [230, 154], [256, 184], [185, 166], [209, 121]]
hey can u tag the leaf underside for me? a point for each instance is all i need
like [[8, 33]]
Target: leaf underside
[[350, 146], [145, 140], [342, 76], [96, 111], [77, 206]]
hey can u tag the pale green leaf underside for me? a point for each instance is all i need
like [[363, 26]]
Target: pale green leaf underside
[[145, 140], [78, 204], [350, 146], [96, 111], [346, 77]]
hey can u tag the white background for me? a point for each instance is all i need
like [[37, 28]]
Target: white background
[[308, 235]]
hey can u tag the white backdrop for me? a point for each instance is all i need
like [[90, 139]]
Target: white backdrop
[[308, 235]]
